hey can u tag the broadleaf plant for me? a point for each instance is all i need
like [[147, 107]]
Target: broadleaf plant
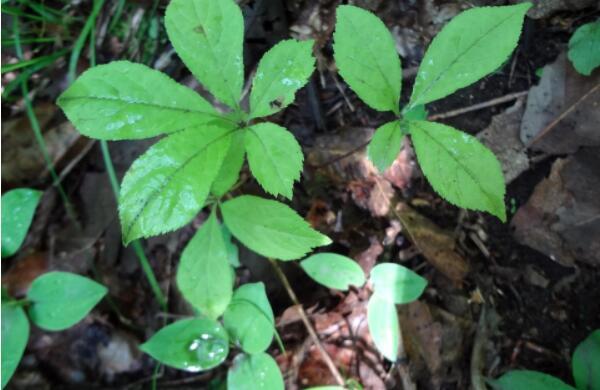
[[472, 45], [18, 208], [584, 48]]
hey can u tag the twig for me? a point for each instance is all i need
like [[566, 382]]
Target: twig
[[311, 331], [562, 116], [478, 106], [477, 380]]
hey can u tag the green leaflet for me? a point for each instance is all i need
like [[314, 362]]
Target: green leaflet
[[270, 228], [382, 319], [473, 44], [249, 318], [59, 300], [385, 145], [167, 186], [584, 48], [528, 380], [232, 164], [193, 344], [15, 333], [334, 271], [208, 35], [124, 100], [396, 283], [283, 70], [233, 255], [275, 158], [459, 167], [365, 54], [18, 208], [586, 362], [254, 372], [204, 276]]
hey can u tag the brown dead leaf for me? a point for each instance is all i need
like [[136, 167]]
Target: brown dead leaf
[[20, 276]]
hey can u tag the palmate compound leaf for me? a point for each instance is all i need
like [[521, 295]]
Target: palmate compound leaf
[[396, 283], [18, 208], [167, 186], [459, 167], [283, 70], [471, 45], [15, 333], [333, 270], [193, 344], [274, 156], [270, 228], [366, 57], [231, 167], [528, 380], [204, 275], [586, 362], [59, 300], [254, 372], [125, 100], [249, 318], [584, 48], [385, 145], [382, 319], [208, 36]]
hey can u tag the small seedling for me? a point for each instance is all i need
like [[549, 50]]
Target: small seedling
[[472, 45], [584, 48]]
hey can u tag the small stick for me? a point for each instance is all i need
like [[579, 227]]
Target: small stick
[[311, 331], [478, 106]]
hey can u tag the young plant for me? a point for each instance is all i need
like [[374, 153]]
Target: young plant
[[473, 44], [584, 48], [585, 366], [199, 159]]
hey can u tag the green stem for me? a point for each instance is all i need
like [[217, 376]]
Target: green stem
[[80, 42]]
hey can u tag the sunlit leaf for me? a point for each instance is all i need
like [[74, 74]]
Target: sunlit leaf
[[397, 283], [385, 145], [333, 270], [382, 319], [258, 371]]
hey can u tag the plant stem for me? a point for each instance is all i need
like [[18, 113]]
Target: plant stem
[[311, 331], [78, 46]]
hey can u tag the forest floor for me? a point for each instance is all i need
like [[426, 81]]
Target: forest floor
[[501, 296]]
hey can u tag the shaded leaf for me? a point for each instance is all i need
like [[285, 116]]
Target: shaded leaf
[[125, 100], [59, 300], [473, 44], [459, 167], [15, 333], [383, 326], [18, 209], [385, 145], [333, 270], [249, 318], [233, 253], [584, 48], [586, 363], [275, 158], [365, 54], [396, 283], [231, 167], [258, 371], [167, 186], [204, 275], [528, 380], [208, 35], [194, 344], [283, 70], [270, 228]]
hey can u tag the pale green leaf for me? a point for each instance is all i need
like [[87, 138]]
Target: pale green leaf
[[18, 208], [249, 318], [59, 300], [397, 283], [193, 344], [208, 35], [334, 271], [586, 362], [124, 100], [270, 228], [385, 145], [166, 187], [283, 70], [15, 333], [204, 276], [365, 54], [473, 44], [528, 380], [584, 48], [232, 164], [382, 319], [459, 167], [254, 372], [275, 158]]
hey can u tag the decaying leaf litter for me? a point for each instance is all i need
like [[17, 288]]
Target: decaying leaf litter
[[500, 297]]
